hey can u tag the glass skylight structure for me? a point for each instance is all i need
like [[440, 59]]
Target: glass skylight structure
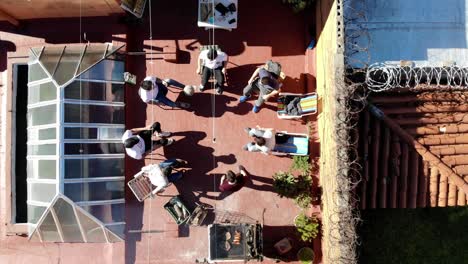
[[75, 159]]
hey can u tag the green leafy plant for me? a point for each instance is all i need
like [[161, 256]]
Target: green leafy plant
[[284, 183], [304, 196], [298, 5], [306, 255], [302, 164], [303, 200], [308, 227], [297, 188]]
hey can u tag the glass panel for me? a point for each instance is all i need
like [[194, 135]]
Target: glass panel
[[111, 49], [37, 51], [107, 213], [93, 54], [80, 133], [42, 192], [95, 191], [111, 133], [48, 229], [109, 92], [41, 134], [110, 70], [94, 232], [42, 115], [36, 73], [47, 169], [50, 58], [34, 213], [45, 149], [35, 237], [116, 56], [93, 148], [113, 238], [94, 114], [42, 92], [91, 168], [67, 220], [48, 133], [68, 63], [117, 229], [30, 168]]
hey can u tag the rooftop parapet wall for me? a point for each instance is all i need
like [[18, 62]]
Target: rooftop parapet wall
[[20, 10], [339, 234]]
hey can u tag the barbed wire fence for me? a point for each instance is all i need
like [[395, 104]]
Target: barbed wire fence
[[381, 77], [354, 83], [350, 99]]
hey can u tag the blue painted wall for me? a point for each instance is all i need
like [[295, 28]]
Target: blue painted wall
[[424, 31]]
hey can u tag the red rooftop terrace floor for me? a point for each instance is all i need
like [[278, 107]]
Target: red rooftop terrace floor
[[211, 136]]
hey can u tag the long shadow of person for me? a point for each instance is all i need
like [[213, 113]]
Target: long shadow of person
[[201, 160], [208, 105], [267, 185], [250, 182]]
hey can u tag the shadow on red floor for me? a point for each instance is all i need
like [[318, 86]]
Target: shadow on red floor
[[211, 135]]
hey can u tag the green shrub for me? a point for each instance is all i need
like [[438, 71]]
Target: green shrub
[[302, 164], [308, 227], [284, 184], [303, 200], [304, 196], [298, 5], [306, 255]]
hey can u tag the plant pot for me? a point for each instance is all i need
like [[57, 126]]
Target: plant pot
[[306, 255]]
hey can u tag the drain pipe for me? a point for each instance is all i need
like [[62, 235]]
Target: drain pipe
[[421, 149]]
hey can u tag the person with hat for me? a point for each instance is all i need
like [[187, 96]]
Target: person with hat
[[263, 82]]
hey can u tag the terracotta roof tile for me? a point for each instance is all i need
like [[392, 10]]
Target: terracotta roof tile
[[394, 174]]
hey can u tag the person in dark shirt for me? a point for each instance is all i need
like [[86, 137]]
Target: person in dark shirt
[[231, 182]]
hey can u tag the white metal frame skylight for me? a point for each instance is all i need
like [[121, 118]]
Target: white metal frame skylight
[[60, 125]]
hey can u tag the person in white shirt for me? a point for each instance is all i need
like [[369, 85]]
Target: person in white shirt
[[212, 62], [265, 140], [161, 174], [154, 90], [138, 142]]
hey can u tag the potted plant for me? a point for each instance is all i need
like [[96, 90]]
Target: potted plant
[[303, 193], [297, 188], [302, 164], [307, 227], [306, 255], [284, 183], [299, 5]]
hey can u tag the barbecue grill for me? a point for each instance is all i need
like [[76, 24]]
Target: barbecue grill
[[235, 242]]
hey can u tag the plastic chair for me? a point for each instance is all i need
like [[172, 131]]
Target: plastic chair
[[307, 105]]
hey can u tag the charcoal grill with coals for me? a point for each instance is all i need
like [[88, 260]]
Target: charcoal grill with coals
[[224, 247]]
